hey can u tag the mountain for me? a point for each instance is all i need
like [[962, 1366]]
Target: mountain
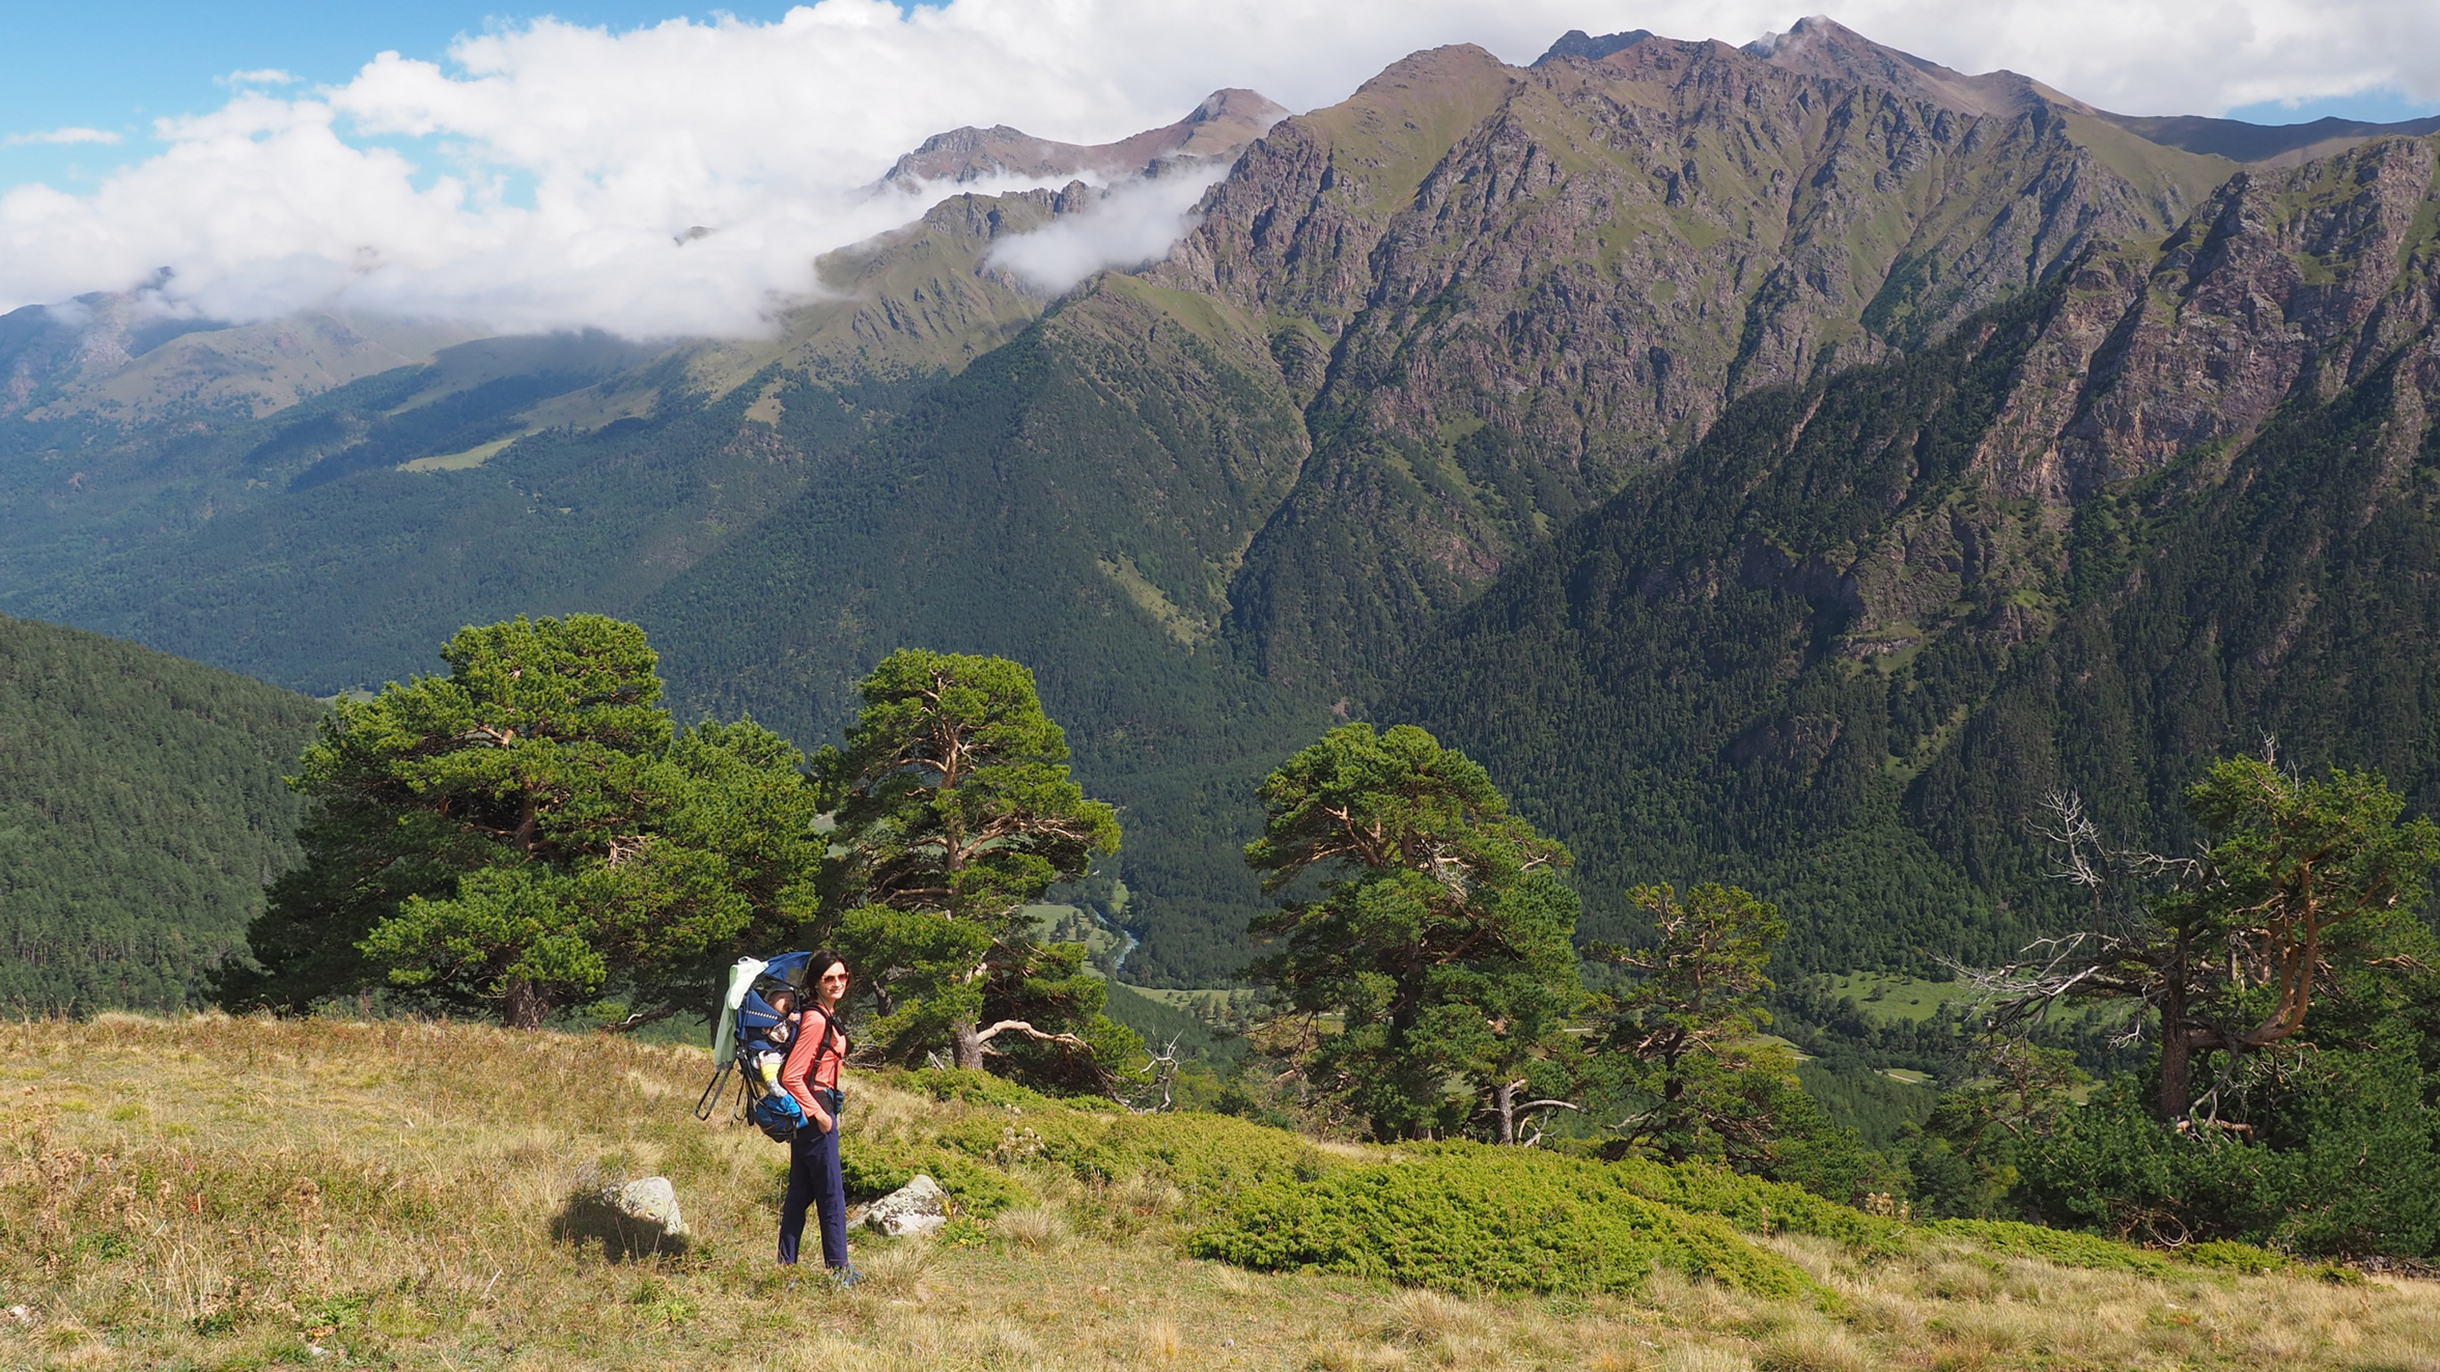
[[2181, 498], [1226, 121], [108, 356], [1750, 452], [1823, 47], [1508, 290], [141, 812]]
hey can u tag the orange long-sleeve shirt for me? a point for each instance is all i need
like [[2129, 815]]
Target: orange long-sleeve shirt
[[813, 1060]]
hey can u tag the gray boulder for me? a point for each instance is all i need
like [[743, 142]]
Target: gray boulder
[[919, 1207], [652, 1200]]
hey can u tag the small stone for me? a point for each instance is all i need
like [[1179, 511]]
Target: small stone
[[652, 1200], [919, 1207]]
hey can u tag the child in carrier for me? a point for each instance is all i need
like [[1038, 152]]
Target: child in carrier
[[777, 1112], [774, 1052]]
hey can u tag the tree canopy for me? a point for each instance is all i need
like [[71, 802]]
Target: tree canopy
[[954, 809], [2304, 886], [529, 833], [1440, 931]]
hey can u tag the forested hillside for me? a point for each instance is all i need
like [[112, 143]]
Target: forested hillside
[[141, 812], [1848, 646]]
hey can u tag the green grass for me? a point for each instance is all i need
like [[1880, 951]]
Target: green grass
[[1891, 999]]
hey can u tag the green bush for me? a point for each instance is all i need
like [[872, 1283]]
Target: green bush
[[2066, 1247], [2227, 1255], [1211, 1158], [2344, 1158], [979, 1088], [1508, 1219], [977, 1189], [1757, 1206]]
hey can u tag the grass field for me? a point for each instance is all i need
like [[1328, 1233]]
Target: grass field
[[1888, 999], [1225, 1006], [216, 1193]]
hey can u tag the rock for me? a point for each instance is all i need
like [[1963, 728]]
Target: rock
[[652, 1200], [919, 1207]]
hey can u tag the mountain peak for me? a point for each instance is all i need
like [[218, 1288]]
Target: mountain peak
[[1224, 122], [1820, 46], [1579, 44]]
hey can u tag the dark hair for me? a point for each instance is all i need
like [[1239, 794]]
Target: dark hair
[[822, 962]]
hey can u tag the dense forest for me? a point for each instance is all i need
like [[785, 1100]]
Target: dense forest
[[141, 814]]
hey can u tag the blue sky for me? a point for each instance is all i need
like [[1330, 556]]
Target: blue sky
[[116, 65]]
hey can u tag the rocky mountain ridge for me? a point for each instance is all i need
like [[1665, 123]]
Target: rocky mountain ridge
[[2182, 497], [1225, 122]]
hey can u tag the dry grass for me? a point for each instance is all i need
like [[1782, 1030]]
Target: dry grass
[[217, 1194]]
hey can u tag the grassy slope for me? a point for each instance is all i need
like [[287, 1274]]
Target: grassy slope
[[218, 1193]]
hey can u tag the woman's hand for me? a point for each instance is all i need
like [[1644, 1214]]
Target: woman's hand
[[822, 1119]]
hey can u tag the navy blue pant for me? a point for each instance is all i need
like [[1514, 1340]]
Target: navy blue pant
[[813, 1179]]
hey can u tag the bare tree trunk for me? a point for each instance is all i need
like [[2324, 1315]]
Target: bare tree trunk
[[525, 1006], [1504, 1101], [966, 1047], [2176, 1052]]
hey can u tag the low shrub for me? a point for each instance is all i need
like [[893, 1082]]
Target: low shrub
[[1212, 1158], [1508, 1219], [2066, 1247], [2227, 1255], [977, 1189], [1760, 1207], [982, 1088]]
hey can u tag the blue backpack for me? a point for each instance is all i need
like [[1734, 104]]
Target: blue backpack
[[743, 1028]]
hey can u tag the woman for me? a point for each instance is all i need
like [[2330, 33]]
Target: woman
[[811, 1074]]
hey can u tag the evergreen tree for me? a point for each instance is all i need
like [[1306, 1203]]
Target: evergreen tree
[[1440, 932], [2307, 886], [954, 809], [529, 834], [1680, 1038]]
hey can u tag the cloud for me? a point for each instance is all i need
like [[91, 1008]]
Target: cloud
[[71, 134], [1132, 224], [542, 175], [260, 76]]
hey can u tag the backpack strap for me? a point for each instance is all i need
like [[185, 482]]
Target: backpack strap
[[830, 1027], [821, 1043]]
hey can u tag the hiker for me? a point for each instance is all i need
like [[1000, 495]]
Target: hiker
[[811, 1076]]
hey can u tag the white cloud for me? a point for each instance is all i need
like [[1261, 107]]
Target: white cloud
[[71, 134], [540, 176], [260, 76], [1132, 224]]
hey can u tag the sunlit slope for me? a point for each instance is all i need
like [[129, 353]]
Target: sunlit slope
[[2098, 538], [245, 1193], [1507, 290]]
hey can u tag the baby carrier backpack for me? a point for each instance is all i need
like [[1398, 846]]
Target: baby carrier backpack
[[745, 1026]]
